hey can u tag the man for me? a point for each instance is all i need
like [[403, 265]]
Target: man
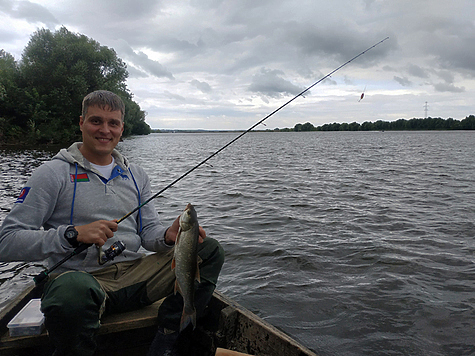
[[76, 199]]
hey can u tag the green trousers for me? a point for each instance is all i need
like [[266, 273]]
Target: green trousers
[[74, 302]]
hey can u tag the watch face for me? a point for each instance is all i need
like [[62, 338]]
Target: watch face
[[70, 234]]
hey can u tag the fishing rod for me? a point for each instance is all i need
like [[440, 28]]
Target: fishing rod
[[41, 277], [115, 250], [248, 130]]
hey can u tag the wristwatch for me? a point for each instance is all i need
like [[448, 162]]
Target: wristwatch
[[71, 234]]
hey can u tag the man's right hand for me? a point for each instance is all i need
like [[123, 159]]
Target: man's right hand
[[96, 232]]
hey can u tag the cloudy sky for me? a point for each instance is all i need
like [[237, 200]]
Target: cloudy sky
[[225, 64]]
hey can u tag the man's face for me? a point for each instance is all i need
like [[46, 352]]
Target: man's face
[[101, 131]]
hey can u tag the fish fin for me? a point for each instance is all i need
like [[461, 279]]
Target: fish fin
[[173, 263], [197, 275], [187, 319]]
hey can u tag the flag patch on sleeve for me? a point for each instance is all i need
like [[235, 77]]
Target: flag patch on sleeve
[[24, 192], [83, 177]]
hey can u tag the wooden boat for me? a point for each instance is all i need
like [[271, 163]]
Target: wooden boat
[[227, 325]]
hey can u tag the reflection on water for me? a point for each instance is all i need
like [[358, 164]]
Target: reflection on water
[[355, 243]]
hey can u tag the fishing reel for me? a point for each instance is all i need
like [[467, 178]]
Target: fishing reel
[[113, 251]]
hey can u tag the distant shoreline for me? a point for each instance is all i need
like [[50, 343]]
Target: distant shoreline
[[415, 124]]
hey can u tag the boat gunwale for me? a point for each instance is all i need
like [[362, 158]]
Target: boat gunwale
[[236, 327]]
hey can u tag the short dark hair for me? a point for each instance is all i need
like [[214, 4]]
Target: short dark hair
[[103, 99]]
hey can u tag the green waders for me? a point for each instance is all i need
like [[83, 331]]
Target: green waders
[[74, 302]]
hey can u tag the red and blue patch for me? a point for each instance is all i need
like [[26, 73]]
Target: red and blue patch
[[83, 177], [24, 192]]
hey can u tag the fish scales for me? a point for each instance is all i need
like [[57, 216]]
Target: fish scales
[[185, 264]]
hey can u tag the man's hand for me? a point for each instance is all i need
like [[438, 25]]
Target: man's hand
[[170, 235], [96, 232]]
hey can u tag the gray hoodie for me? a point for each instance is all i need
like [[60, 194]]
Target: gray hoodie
[[68, 191]]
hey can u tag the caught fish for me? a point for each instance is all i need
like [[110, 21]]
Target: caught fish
[[185, 264]]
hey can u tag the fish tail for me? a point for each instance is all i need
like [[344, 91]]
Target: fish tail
[[188, 318]]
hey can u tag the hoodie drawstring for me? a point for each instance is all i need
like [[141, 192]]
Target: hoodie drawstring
[[74, 194], [140, 201]]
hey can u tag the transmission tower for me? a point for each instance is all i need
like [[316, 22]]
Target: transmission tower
[[426, 108]]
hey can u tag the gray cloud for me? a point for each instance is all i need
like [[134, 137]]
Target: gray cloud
[[417, 71], [142, 62], [446, 87], [153, 67], [28, 11], [182, 47], [403, 81], [447, 76], [136, 73], [174, 96], [270, 83], [202, 86], [455, 47]]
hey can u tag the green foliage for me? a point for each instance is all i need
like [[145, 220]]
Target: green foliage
[[305, 127], [134, 119], [468, 123], [9, 91], [413, 124], [40, 98]]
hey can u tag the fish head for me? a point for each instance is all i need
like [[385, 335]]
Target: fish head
[[188, 218]]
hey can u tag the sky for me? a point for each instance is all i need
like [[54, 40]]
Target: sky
[[226, 64]]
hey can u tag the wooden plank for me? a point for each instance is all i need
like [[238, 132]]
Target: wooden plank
[[226, 352], [248, 333], [140, 318]]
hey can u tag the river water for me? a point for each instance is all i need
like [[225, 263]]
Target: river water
[[354, 243]]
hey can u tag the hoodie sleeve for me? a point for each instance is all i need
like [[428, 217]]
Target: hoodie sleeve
[[22, 236]]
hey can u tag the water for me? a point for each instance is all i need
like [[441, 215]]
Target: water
[[355, 243]]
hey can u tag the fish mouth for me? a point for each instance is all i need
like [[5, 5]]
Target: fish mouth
[[187, 216]]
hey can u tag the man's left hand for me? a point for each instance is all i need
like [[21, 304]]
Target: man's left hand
[[170, 235]]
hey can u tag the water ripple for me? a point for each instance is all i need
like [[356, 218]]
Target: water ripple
[[354, 243]]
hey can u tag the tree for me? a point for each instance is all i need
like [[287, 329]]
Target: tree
[[43, 101], [354, 126], [468, 123], [134, 119], [367, 126], [308, 127], [58, 70], [8, 89]]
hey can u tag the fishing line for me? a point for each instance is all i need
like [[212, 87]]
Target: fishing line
[[245, 132], [41, 277]]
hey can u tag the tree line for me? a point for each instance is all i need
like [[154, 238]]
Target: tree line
[[41, 95], [402, 124]]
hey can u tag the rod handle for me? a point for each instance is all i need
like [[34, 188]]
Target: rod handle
[[41, 277]]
